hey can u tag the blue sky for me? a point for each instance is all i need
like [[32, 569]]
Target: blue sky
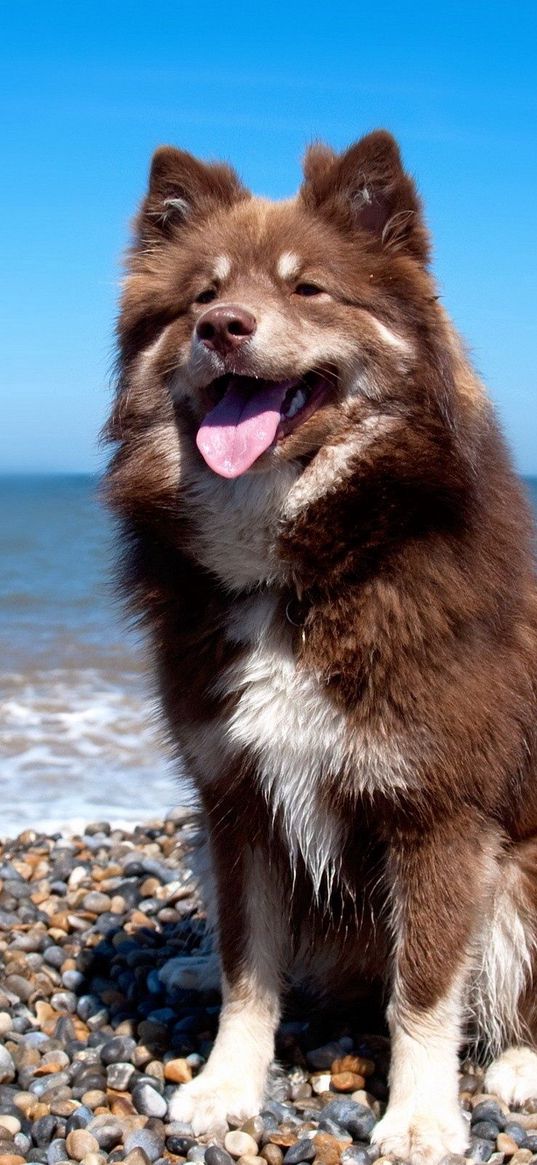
[[90, 89]]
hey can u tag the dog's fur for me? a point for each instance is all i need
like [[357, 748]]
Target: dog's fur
[[345, 634]]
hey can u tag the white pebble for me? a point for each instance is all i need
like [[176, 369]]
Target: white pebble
[[240, 1144]]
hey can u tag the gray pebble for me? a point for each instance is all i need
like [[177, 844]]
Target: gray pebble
[[304, 1150], [54, 956], [324, 1056], [64, 1001], [357, 1119], [214, 1155], [150, 1141], [148, 1101], [72, 979], [516, 1132], [57, 1151], [107, 1131], [489, 1110], [120, 1049], [358, 1155], [118, 1075], [479, 1150], [79, 1119], [197, 1152], [486, 1129], [530, 1142]]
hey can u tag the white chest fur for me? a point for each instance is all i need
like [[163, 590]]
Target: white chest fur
[[300, 738]]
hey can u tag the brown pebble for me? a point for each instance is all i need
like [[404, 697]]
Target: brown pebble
[[136, 1157], [506, 1144], [64, 1107], [178, 1071], [93, 1097], [255, 1127], [12, 1159], [357, 1064], [347, 1081], [272, 1154], [521, 1157], [283, 1139], [122, 1106], [79, 1142], [10, 1124]]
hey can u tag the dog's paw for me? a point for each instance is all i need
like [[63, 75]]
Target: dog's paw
[[420, 1136], [208, 1101], [513, 1076]]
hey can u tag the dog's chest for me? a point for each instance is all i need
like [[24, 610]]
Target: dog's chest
[[309, 760]]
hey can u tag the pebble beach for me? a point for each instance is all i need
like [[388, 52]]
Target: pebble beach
[[97, 1029]]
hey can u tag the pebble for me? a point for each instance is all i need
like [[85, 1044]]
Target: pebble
[[239, 1144], [7, 1067], [95, 1034], [479, 1150], [215, 1155], [150, 1141], [148, 1101], [79, 1142]]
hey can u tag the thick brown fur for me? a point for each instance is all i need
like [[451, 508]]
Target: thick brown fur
[[395, 558]]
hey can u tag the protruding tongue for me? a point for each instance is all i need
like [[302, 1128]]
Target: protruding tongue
[[241, 426]]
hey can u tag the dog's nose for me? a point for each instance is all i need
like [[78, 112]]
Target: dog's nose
[[225, 328]]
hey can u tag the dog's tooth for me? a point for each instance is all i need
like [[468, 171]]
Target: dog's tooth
[[297, 402]]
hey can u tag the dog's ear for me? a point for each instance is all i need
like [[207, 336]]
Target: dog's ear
[[182, 188], [366, 188]]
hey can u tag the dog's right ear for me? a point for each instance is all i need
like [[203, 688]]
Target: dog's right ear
[[182, 188]]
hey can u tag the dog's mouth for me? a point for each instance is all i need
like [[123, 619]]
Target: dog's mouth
[[251, 415]]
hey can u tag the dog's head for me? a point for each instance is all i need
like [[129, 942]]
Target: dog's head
[[272, 323]]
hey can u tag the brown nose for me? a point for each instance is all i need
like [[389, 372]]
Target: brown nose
[[225, 328]]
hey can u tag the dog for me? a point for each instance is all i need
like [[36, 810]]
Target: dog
[[332, 555]]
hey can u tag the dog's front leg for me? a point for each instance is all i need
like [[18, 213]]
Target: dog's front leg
[[251, 933], [436, 881]]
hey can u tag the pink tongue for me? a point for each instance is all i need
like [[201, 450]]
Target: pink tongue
[[239, 429]]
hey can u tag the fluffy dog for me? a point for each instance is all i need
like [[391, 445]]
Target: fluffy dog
[[331, 552]]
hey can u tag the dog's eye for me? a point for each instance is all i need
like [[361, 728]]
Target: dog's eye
[[206, 296], [308, 289]]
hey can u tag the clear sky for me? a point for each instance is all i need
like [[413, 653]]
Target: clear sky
[[89, 90]]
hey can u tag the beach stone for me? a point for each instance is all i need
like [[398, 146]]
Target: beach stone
[[11, 1124], [479, 1150], [7, 1067], [196, 1153], [135, 1157], [240, 1144], [178, 1071], [120, 1049], [13, 1159], [148, 1101], [214, 1155], [361, 1155], [272, 1154], [356, 1119], [303, 1150], [515, 1131], [57, 1151], [324, 1056], [150, 1140], [5, 1023], [489, 1110], [118, 1075], [347, 1081], [530, 1143], [107, 1130], [487, 1129], [521, 1157], [506, 1144], [255, 1127], [79, 1142]]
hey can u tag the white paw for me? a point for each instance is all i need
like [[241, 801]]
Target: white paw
[[420, 1137], [513, 1077], [208, 1101], [193, 972]]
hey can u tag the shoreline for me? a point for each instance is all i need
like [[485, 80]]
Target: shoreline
[[102, 941]]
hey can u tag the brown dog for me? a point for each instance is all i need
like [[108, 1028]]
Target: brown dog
[[332, 555]]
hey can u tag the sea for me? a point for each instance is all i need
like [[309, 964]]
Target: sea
[[80, 734]]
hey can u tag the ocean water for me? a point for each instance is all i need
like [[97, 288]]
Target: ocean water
[[80, 736]]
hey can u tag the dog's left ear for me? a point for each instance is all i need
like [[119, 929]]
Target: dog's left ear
[[367, 188]]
